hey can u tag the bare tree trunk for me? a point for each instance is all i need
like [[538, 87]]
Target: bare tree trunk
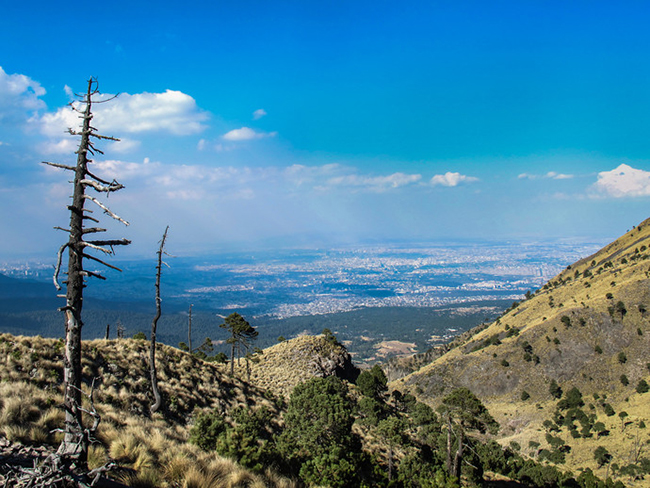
[[108, 331], [154, 324], [232, 359], [74, 442], [189, 330], [74, 295], [458, 458], [449, 445]]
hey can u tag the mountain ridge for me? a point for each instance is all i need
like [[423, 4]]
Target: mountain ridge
[[588, 328]]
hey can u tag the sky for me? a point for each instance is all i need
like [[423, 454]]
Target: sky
[[311, 124]]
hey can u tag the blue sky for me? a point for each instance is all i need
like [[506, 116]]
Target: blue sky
[[247, 124]]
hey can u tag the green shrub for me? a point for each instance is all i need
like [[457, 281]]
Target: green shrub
[[525, 395], [207, 428], [642, 387], [601, 456], [624, 380], [609, 411], [554, 389], [572, 399]]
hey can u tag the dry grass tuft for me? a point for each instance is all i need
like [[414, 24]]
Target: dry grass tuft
[[196, 477]]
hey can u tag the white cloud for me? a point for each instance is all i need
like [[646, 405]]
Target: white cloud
[[124, 145], [551, 174], [201, 145], [246, 134], [19, 97], [452, 179], [62, 146], [172, 111], [558, 176], [68, 91], [259, 113], [375, 183], [623, 181]]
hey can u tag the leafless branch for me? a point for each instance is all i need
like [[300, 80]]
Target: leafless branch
[[111, 242], [88, 217], [57, 165], [95, 177], [91, 273], [110, 252], [108, 138], [57, 269], [101, 262], [102, 188], [92, 230], [107, 100], [105, 208], [61, 228]]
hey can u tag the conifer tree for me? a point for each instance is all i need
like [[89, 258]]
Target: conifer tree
[[241, 335], [463, 411]]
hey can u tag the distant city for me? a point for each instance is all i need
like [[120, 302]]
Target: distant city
[[289, 283]]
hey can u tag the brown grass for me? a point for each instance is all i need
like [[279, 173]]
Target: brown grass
[[153, 449]]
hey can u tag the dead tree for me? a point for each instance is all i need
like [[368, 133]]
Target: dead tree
[[120, 330], [154, 324], [189, 329], [78, 250]]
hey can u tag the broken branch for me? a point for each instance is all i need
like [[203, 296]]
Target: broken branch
[[102, 188], [57, 165], [105, 208]]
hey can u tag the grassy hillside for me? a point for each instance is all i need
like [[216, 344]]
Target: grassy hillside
[[588, 328], [151, 449]]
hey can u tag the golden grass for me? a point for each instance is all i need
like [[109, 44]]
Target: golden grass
[[153, 448], [284, 365]]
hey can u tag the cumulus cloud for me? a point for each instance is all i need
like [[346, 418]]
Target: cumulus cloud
[[246, 134], [19, 97], [623, 181], [259, 113], [172, 111], [452, 179], [61, 146]]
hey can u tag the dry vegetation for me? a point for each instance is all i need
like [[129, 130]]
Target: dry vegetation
[[282, 366], [587, 328], [151, 450]]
